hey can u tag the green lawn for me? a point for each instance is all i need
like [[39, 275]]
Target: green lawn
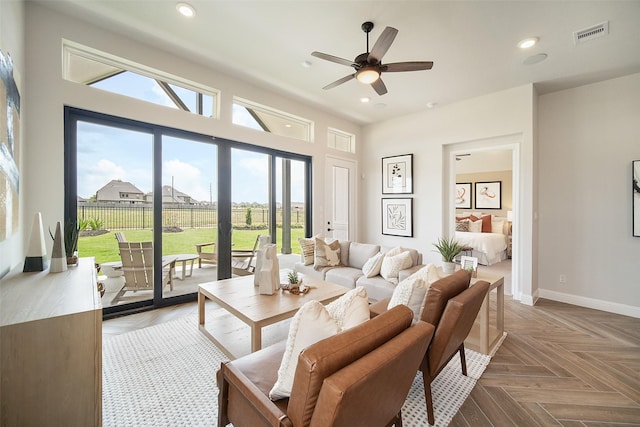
[[105, 248]]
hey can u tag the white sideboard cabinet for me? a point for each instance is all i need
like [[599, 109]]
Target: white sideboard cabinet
[[51, 348]]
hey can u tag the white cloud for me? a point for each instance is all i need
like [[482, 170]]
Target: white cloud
[[97, 175], [187, 178]]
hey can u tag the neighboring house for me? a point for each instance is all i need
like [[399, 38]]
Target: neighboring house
[[171, 195], [120, 192]]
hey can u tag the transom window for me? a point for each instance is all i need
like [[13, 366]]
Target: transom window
[[266, 119], [341, 140]]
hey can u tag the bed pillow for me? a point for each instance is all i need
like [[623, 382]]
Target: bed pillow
[[326, 254], [391, 265], [475, 226], [350, 309], [371, 268], [497, 227], [462, 225], [312, 323], [307, 247]]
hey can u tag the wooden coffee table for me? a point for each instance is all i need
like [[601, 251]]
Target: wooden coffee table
[[242, 299]]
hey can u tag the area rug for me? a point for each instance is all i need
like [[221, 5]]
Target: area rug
[[164, 375]]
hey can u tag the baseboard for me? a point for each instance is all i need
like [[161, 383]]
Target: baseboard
[[608, 306]]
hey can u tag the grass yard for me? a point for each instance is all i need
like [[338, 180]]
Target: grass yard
[[105, 247]]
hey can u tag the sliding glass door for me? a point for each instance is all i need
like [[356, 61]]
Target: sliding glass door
[[162, 210]]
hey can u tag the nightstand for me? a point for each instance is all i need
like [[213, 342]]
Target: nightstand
[[509, 237]]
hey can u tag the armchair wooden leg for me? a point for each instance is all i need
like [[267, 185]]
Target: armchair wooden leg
[[463, 360], [428, 399]]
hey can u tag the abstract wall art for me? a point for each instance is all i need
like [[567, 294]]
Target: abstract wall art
[[9, 148], [397, 217]]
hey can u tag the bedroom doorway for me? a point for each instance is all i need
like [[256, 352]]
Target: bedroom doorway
[[476, 164]]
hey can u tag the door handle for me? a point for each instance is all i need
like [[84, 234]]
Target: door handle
[[329, 229]]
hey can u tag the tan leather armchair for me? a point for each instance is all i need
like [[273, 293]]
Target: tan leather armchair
[[360, 377], [452, 307]]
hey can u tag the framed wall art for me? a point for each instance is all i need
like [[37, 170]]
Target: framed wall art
[[397, 217], [463, 195], [397, 174], [489, 195], [635, 178]]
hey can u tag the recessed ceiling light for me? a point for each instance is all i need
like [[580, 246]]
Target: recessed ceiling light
[[306, 64], [287, 125], [527, 43], [365, 100], [431, 104], [186, 10]]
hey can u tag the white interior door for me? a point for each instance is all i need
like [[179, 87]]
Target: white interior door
[[340, 203]]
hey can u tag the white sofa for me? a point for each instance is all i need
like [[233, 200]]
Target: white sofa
[[353, 256]]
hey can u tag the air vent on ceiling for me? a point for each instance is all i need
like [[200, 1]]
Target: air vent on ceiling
[[591, 33]]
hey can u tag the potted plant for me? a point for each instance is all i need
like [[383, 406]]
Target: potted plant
[[449, 249]]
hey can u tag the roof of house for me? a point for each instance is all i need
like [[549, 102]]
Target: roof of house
[[114, 188]]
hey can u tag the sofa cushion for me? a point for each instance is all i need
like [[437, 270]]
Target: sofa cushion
[[309, 271], [359, 253], [343, 276], [377, 288], [326, 254]]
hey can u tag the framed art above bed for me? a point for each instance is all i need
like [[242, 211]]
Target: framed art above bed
[[463, 195], [489, 195]]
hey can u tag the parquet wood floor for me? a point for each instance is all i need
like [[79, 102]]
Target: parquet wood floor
[[560, 365]]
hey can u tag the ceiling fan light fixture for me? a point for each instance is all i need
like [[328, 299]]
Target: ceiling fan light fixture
[[367, 75], [186, 9], [527, 43]]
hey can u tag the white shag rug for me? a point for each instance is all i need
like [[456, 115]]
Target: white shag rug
[[164, 375]]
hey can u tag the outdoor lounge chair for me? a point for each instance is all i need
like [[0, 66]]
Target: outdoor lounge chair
[[207, 256], [137, 267], [241, 259]]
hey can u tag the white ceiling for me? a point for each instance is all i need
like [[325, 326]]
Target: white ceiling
[[472, 43]]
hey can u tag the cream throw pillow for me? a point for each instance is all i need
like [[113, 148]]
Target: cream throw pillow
[[475, 226], [350, 309], [326, 254], [412, 290], [312, 323], [371, 268], [391, 265]]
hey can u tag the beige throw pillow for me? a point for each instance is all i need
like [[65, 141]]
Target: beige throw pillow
[[371, 268], [412, 290], [308, 249], [326, 254], [391, 266], [350, 309]]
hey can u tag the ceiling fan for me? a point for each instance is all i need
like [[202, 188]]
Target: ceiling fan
[[369, 65]]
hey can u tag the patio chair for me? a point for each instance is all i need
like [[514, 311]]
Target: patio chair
[[120, 237], [207, 256], [241, 260], [137, 267]]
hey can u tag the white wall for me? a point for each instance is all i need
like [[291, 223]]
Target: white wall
[[588, 137], [49, 93], [12, 43], [499, 118]]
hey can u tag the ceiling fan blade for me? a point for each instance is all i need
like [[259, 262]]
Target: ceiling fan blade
[[407, 66], [382, 45], [339, 81], [379, 87], [332, 58]]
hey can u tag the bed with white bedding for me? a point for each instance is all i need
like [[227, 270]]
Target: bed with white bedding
[[489, 248]]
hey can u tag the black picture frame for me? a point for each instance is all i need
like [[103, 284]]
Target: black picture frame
[[488, 195], [397, 216], [463, 195], [397, 174]]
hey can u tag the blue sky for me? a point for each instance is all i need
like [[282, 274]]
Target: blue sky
[[106, 153]]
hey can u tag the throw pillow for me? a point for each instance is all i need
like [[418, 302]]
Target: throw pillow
[[350, 309], [307, 247], [391, 266], [395, 251], [410, 292], [486, 223], [371, 268], [312, 323], [462, 225], [326, 254], [475, 226], [497, 226]]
